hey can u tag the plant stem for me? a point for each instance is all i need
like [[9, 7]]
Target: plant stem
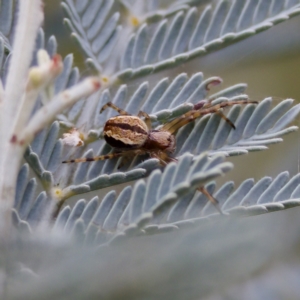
[[11, 154]]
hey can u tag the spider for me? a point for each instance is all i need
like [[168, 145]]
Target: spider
[[130, 135]]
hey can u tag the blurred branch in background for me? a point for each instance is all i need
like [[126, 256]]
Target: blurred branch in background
[[233, 259]]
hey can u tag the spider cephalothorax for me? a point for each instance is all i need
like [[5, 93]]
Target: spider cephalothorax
[[130, 135]]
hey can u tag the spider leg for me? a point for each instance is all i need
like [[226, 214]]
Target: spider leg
[[214, 201], [111, 105], [168, 158], [161, 161], [219, 113], [190, 116], [107, 156], [184, 121], [128, 158], [147, 119], [163, 158]]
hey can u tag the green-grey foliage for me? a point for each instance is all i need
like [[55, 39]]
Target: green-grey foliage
[[104, 245]]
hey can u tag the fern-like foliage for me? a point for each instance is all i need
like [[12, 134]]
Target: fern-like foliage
[[167, 201], [96, 34], [257, 126], [142, 204], [163, 102], [123, 41], [189, 35], [174, 39], [7, 16]]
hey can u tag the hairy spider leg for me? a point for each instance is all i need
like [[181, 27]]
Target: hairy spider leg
[[111, 105], [164, 159], [107, 156], [128, 158], [219, 113], [213, 200], [190, 116], [147, 119], [206, 103], [183, 121], [125, 160]]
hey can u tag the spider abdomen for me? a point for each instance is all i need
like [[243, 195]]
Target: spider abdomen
[[125, 132]]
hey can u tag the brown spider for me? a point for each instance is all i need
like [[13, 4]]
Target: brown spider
[[130, 135]]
